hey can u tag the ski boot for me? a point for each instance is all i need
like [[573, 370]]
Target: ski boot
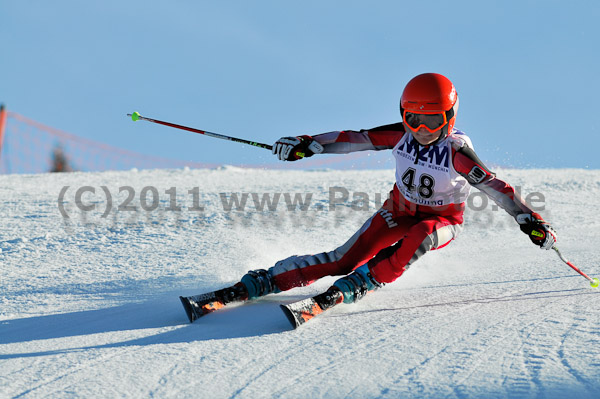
[[347, 289], [254, 284]]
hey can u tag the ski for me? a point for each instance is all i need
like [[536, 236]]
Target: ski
[[302, 311], [297, 313], [200, 305]]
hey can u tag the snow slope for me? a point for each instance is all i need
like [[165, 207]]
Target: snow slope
[[89, 304]]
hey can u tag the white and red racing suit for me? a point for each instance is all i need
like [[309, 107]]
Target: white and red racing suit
[[424, 211]]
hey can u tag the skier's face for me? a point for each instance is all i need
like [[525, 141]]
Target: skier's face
[[424, 137]]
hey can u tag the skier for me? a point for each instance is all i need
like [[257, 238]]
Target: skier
[[435, 167]]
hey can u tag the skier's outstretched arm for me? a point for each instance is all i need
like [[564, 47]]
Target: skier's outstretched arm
[[338, 142], [468, 164]]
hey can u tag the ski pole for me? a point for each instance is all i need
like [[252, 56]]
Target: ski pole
[[136, 117], [594, 282]]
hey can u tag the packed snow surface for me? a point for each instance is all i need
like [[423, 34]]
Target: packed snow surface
[[92, 265]]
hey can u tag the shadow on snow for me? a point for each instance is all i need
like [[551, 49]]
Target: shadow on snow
[[238, 321], [258, 318]]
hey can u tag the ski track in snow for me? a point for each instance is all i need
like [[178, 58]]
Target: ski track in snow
[[89, 307]]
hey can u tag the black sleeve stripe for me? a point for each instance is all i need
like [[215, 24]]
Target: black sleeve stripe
[[469, 153], [395, 127]]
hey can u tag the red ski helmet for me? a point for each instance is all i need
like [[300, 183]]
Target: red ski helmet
[[431, 93]]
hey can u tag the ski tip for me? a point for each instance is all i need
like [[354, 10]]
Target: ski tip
[[188, 308], [290, 316]]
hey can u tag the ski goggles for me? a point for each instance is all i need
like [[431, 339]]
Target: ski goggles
[[431, 122]]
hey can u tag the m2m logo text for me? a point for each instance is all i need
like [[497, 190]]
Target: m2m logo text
[[437, 155]]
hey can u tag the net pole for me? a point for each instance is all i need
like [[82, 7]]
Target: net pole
[[2, 126]]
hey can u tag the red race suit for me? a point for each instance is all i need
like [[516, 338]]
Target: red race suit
[[424, 211]]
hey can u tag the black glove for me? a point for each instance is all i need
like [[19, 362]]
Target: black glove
[[294, 148], [537, 229]]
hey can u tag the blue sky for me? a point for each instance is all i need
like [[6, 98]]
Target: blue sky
[[526, 71]]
